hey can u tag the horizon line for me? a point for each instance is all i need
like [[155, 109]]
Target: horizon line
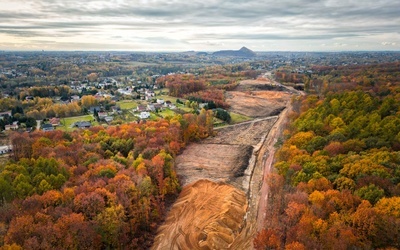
[[208, 51]]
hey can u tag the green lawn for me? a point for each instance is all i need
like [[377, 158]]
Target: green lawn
[[127, 104], [153, 116], [218, 122], [237, 118], [67, 122], [126, 116], [169, 98], [166, 112], [184, 108]]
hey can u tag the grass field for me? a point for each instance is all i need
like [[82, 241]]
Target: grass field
[[184, 108], [166, 112], [237, 118], [68, 121], [127, 104], [169, 98]]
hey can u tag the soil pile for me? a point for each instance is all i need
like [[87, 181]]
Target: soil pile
[[207, 215]]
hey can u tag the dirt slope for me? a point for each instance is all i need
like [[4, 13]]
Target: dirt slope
[[207, 215], [257, 103], [213, 162], [246, 133]]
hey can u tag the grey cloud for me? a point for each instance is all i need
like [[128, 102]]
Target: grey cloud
[[289, 20], [20, 33]]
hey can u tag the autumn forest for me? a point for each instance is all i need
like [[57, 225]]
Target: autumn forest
[[337, 180]]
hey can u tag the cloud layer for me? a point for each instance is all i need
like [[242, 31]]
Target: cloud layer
[[306, 25]]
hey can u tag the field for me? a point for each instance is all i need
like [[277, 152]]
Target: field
[[166, 112], [238, 118], [127, 104], [69, 121]]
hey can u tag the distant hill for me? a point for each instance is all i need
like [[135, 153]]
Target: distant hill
[[201, 54], [243, 52]]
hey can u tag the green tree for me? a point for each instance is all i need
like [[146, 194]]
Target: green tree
[[371, 193]]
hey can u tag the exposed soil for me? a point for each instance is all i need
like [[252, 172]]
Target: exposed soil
[[259, 84], [216, 162], [257, 103], [222, 176], [207, 215], [246, 133]]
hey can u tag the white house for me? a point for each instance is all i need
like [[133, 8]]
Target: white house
[[109, 119], [144, 115], [102, 115], [11, 127], [2, 114]]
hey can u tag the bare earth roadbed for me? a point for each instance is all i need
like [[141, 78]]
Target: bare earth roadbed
[[216, 175]]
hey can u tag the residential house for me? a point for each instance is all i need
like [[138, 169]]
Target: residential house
[[93, 108], [149, 94], [168, 104], [151, 107], [2, 114], [108, 119], [75, 98], [116, 110], [13, 126], [102, 115], [158, 106], [144, 115], [141, 108], [126, 91], [5, 149], [55, 122], [82, 124], [47, 127]]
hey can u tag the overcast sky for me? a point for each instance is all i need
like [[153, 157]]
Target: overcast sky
[[201, 25]]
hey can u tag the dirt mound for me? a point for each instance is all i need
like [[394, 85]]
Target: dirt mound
[[207, 215], [257, 103], [216, 162]]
